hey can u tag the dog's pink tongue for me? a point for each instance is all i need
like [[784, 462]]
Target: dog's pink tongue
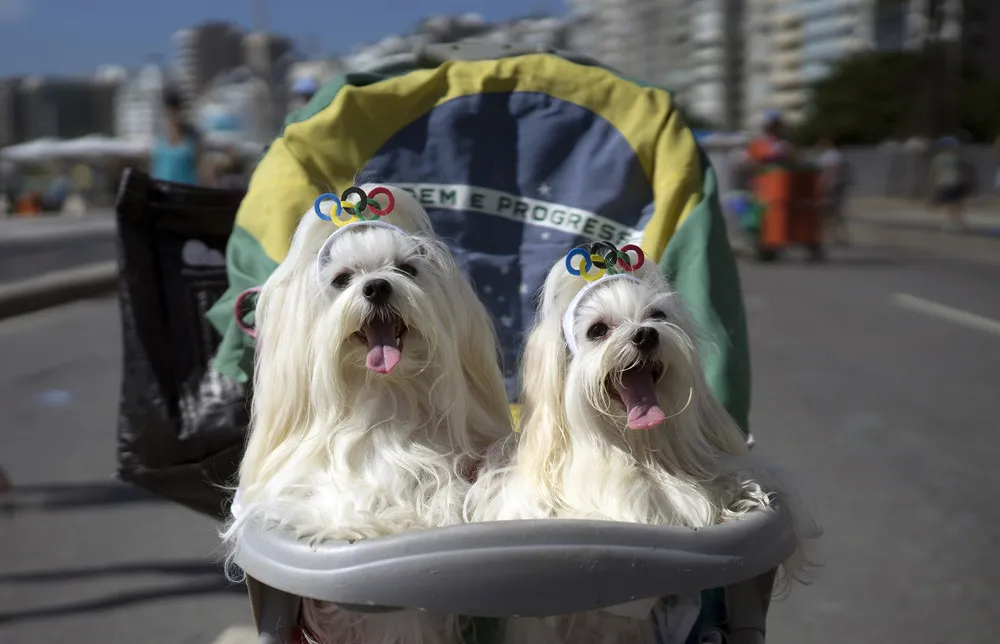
[[638, 392], [383, 351]]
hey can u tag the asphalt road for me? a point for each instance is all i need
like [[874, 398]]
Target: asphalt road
[[33, 247], [882, 400]]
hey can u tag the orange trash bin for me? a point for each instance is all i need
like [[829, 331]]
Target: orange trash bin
[[792, 217]]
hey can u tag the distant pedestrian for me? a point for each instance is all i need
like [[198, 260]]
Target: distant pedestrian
[[303, 89], [771, 146], [834, 179], [177, 153], [231, 173], [949, 182]]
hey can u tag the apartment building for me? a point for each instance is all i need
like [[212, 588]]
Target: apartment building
[[792, 44], [10, 131], [715, 57], [205, 51], [639, 38], [692, 47], [63, 108], [540, 32], [139, 104]]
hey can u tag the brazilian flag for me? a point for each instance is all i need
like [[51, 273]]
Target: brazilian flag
[[517, 161]]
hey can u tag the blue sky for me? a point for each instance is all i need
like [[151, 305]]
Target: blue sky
[[75, 36]]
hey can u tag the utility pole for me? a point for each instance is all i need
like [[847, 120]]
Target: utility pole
[[951, 46], [942, 46]]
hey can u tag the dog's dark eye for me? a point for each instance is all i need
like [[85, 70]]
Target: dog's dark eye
[[597, 331], [657, 315], [409, 269], [342, 280]]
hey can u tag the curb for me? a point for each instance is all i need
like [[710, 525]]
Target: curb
[[977, 232], [96, 230], [974, 248], [57, 287]]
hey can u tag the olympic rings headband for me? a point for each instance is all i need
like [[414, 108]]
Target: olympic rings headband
[[355, 210], [324, 250], [606, 258], [613, 264]]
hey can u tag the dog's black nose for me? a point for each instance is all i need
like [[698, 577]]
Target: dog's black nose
[[377, 291], [646, 338]]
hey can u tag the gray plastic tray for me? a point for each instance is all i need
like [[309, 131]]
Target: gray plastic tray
[[519, 568]]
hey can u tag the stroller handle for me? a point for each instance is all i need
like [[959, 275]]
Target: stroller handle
[[519, 568]]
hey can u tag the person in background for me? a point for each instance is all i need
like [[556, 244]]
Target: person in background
[[771, 146], [833, 182], [303, 89], [176, 155], [231, 172], [948, 181], [59, 188]]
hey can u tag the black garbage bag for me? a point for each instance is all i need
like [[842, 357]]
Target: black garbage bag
[[182, 424]]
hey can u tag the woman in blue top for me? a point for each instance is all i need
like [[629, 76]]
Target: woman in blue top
[[175, 156]]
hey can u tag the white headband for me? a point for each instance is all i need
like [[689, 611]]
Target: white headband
[[325, 248], [570, 315]]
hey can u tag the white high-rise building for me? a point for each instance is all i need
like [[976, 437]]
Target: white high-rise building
[[694, 48], [715, 60], [631, 36], [791, 44], [139, 104], [205, 51]]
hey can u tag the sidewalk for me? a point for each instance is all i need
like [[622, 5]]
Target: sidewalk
[[982, 215]]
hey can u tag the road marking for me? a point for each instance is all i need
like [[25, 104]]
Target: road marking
[[958, 316], [238, 635]]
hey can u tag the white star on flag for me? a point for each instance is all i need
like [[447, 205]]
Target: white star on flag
[[545, 190]]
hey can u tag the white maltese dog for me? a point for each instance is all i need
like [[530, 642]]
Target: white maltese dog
[[618, 424], [376, 393]]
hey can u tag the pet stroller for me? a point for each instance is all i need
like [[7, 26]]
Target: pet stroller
[[517, 157]]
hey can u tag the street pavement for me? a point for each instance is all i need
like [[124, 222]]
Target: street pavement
[[875, 378], [30, 247], [982, 214]]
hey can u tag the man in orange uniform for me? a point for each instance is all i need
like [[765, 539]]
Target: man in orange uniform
[[771, 145]]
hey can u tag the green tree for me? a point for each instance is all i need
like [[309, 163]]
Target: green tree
[[870, 97], [864, 99]]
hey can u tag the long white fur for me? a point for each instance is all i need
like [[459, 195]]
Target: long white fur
[[337, 452], [574, 457]]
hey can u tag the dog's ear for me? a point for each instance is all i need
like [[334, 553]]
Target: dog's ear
[[544, 440], [488, 411], [281, 388]]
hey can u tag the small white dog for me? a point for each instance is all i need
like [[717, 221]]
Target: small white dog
[[376, 393], [618, 424]]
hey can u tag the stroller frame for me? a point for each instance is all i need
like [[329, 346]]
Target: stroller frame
[[740, 557]]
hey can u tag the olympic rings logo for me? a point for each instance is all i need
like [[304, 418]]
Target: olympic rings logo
[[356, 210], [605, 258]]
